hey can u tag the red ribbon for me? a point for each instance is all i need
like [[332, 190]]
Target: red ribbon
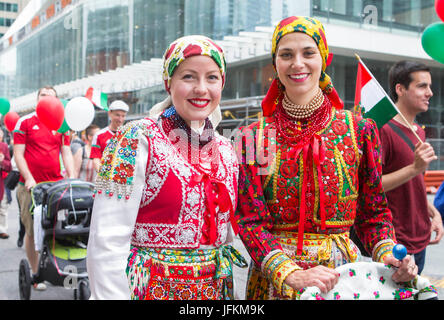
[[317, 147], [217, 195], [270, 99]]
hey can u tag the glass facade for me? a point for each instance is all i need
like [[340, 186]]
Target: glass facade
[[388, 15], [107, 35], [102, 35], [49, 58]]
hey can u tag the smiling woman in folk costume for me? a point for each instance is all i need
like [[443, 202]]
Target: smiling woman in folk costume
[[167, 190], [322, 175]]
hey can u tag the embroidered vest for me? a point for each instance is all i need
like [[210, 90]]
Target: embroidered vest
[[174, 203], [283, 185]]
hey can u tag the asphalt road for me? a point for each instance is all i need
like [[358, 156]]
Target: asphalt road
[[10, 256]]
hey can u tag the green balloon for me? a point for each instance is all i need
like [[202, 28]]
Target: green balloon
[[432, 41], [4, 106], [64, 128]]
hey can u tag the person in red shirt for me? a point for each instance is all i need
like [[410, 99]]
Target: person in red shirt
[[36, 152], [405, 159], [117, 114], [5, 168]]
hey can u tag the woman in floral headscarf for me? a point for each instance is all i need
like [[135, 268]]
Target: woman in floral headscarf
[[316, 172], [167, 190]]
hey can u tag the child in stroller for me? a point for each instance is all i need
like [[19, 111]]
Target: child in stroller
[[62, 214]]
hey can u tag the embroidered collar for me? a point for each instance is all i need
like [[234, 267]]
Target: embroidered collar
[[196, 148]]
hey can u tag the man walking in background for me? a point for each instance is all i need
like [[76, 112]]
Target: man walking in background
[[36, 153], [404, 161], [117, 114]]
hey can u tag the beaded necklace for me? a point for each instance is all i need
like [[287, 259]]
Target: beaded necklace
[[297, 132], [303, 111]]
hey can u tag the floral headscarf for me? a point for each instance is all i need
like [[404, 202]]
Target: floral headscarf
[[189, 46], [314, 29], [176, 53]]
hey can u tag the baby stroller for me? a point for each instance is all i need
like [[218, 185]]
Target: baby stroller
[[64, 210]]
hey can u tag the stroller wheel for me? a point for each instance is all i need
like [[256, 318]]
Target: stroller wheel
[[84, 291], [24, 280]]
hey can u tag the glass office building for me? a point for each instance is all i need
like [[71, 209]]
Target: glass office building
[[69, 40]]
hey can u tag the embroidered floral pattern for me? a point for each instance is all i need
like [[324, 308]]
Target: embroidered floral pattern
[[116, 174], [165, 160], [360, 287], [349, 166], [350, 178], [164, 274], [402, 294]]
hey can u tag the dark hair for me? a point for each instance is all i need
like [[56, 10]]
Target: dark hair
[[91, 128], [400, 73], [47, 88]]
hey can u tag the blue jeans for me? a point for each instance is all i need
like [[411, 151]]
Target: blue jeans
[[8, 195], [420, 260]]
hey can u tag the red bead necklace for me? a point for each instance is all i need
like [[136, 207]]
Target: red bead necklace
[[298, 132]]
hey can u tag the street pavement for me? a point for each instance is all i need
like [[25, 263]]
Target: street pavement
[[10, 256]]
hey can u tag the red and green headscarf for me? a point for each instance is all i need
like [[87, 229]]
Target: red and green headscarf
[[189, 46], [175, 54], [314, 29]]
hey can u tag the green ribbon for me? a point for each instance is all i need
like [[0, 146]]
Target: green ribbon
[[225, 257]]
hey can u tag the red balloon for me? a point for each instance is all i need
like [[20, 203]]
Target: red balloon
[[439, 7], [10, 120], [50, 112]]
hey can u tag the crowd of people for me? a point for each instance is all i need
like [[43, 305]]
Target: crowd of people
[[171, 192], [38, 156]]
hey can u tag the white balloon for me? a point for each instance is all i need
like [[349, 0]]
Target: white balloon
[[79, 113]]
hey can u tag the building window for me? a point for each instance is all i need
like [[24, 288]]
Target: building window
[[6, 22], [58, 6], [11, 7]]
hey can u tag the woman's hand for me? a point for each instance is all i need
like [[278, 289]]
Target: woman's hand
[[407, 269], [322, 277]]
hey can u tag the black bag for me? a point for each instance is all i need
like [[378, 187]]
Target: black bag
[[12, 179]]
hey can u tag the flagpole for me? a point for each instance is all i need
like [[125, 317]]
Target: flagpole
[[394, 105]]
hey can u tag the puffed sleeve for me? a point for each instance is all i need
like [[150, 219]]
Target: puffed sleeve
[[254, 218], [373, 217], [119, 187]]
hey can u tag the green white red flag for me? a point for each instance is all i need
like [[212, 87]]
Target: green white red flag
[[99, 99], [370, 98]]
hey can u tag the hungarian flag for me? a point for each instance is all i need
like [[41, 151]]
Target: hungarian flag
[[99, 99], [370, 99]]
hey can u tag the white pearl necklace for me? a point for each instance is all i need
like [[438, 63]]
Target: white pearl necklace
[[303, 111]]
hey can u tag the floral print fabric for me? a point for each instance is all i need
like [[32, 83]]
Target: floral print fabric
[[270, 187], [189, 46], [370, 281], [174, 274], [351, 177]]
